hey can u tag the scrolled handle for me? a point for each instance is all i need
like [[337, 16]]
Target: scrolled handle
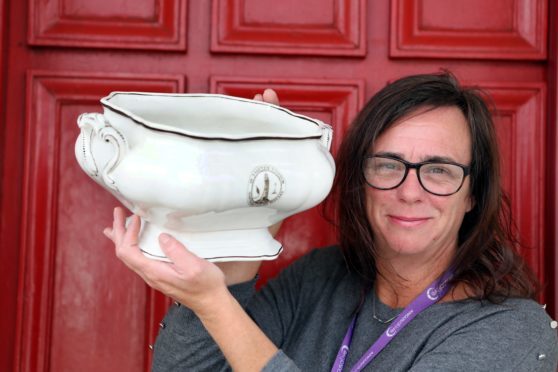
[[327, 135], [95, 127]]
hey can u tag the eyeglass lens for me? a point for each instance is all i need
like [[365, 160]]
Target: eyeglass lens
[[436, 178]]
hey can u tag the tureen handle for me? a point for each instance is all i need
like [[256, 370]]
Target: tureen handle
[[327, 135], [92, 125]]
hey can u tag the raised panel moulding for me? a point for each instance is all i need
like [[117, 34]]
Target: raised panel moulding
[[522, 107], [49, 94], [165, 29], [521, 37], [335, 101], [345, 35]]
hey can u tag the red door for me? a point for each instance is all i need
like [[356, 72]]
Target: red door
[[66, 302]]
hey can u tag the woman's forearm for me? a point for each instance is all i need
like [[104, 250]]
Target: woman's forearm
[[242, 342]]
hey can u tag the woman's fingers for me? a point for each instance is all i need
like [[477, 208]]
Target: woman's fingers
[[107, 231], [118, 225], [175, 251], [125, 239], [270, 96], [187, 266], [188, 278], [132, 230], [274, 229], [121, 234]]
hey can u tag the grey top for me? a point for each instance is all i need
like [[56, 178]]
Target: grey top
[[306, 310]]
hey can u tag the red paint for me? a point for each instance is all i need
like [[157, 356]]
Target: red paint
[[521, 119], [469, 29], [77, 287], [337, 28], [159, 26], [550, 254]]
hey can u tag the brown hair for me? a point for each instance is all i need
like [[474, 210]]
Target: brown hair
[[486, 259]]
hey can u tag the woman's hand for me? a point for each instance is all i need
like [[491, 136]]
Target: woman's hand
[[189, 279], [269, 96], [199, 285]]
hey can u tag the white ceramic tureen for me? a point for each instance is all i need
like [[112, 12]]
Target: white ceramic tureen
[[214, 171]]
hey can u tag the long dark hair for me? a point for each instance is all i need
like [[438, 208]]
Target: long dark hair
[[487, 259]]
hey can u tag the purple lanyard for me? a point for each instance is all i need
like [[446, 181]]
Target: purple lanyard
[[428, 297]]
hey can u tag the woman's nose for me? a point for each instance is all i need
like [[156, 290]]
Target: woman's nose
[[411, 189]]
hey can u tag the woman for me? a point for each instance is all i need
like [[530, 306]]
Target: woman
[[426, 277]]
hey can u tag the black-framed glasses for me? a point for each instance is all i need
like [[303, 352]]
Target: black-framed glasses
[[437, 177]]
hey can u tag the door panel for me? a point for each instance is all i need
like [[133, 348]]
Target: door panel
[[316, 27], [520, 125], [500, 29], [81, 307], [141, 24]]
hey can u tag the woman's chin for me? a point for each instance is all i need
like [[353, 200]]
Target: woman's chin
[[406, 247]]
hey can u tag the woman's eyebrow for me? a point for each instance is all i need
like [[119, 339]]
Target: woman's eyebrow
[[390, 154], [440, 159], [432, 158]]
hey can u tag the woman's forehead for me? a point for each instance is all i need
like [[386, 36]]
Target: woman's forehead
[[438, 132]]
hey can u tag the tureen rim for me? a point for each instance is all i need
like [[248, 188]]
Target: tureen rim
[[105, 102]]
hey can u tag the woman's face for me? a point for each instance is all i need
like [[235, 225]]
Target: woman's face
[[408, 220]]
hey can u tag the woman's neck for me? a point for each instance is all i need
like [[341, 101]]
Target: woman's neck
[[401, 279]]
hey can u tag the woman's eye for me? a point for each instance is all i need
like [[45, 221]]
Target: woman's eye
[[438, 170], [441, 170], [387, 166]]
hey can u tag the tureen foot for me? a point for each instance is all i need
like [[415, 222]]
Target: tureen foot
[[216, 246]]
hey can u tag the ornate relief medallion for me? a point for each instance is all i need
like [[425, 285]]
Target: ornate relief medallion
[[266, 186]]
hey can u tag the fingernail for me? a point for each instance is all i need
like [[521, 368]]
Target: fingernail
[[164, 238]]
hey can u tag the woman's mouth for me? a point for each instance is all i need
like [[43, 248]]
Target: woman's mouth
[[408, 221]]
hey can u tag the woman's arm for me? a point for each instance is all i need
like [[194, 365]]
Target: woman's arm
[[202, 287]]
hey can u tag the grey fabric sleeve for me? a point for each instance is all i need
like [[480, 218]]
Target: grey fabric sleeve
[[276, 304], [306, 309], [525, 341], [280, 363], [184, 344]]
